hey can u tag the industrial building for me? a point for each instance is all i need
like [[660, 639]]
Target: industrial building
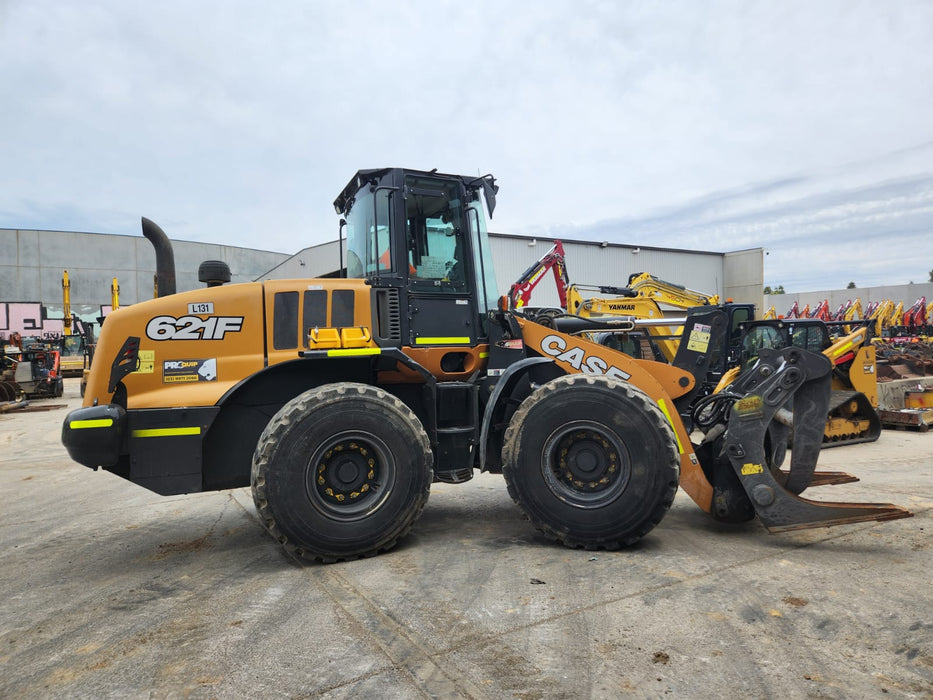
[[737, 274], [32, 263]]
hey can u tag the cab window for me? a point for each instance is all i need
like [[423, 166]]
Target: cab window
[[433, 234], [368, 249], [757, 338], [812, 338]]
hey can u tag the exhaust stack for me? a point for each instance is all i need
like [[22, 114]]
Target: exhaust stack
[[165, 257]]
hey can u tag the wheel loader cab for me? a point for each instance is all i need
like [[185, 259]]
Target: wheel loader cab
[[420, 241]]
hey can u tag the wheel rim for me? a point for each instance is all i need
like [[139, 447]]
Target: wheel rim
[[350, 475], [586, 464]]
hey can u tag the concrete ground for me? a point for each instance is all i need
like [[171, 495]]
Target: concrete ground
[[107, 590]]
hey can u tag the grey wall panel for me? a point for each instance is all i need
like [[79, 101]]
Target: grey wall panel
[[32, 263], [314, 261], [906, 293], [744, 272], [596, 264]]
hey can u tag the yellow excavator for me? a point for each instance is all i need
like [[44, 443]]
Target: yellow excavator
[[852, 313], [645, 298], [76, 336], [338, 401]]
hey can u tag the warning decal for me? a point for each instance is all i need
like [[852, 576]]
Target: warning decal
[[699, 338], [146, 362], [183, 371]]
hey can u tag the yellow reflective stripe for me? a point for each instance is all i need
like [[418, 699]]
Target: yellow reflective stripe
[[166, 432], [95, 423], [483, 355], [663, 406], [442, 341], [352, 352]]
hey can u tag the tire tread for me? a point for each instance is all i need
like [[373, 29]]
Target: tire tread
[[510, 455], [284, 419]]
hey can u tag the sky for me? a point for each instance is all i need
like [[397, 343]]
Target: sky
[[804, 128]]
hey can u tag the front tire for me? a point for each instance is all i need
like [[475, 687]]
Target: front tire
[[341, 471], [593, 462]]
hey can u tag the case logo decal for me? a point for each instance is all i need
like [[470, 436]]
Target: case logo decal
[[192, 327], [556, 347]]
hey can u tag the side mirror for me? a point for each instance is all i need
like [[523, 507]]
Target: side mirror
[[489, 191]]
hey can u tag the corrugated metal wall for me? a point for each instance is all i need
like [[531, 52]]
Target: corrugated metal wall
[[605, 264], [738, 275], [743, 271], [32, 262]]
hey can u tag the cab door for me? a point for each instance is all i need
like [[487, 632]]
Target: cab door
[[441, 306]]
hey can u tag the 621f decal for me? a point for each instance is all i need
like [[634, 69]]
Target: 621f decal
[[192, 327]]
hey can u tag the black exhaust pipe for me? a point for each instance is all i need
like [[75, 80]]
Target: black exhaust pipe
[[165, 257]]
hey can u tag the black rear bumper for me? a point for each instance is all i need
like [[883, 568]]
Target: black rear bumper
[[160, 449], [94, 436]]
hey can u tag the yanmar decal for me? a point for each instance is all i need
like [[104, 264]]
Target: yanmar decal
[[175, 371], [556, 347], [192, 327]]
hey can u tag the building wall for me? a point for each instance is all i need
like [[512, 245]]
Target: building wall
[[744, 271], [588, 263], [32, 263], [316, 261]]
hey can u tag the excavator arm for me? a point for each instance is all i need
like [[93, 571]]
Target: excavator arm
[[916, 316], [821, 312], [647, 285], [553, 260]]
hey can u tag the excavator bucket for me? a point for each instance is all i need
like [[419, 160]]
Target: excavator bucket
[[787, 390]]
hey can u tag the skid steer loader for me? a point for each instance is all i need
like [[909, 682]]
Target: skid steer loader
[[340, 400], [853, 406]]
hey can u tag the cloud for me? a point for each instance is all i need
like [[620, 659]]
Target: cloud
[[715, 125]]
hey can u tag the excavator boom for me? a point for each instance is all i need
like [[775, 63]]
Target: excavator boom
[[553, 261]]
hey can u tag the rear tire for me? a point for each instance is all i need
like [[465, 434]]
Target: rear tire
[[593, 462], [341, 471]]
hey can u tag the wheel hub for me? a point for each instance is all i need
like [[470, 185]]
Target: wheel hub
[[346, 471], [587, 461]]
